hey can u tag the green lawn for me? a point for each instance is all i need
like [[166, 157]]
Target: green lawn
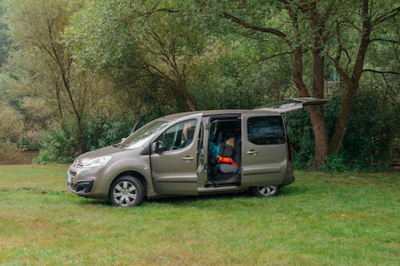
[[321, 219]]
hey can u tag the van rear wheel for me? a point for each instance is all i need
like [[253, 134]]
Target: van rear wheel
[[126, 191], [265, 191]]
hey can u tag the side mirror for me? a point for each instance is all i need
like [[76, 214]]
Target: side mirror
[[155, 148]]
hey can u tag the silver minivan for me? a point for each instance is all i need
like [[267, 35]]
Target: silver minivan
[[193, 153]]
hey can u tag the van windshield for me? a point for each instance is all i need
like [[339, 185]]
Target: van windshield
[[144, 134]]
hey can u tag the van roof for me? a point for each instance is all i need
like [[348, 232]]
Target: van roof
[[277, 108], [219, 112]]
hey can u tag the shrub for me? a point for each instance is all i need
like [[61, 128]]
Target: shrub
[[57, 146], [11, 123], [10, 153], [301, 138], [60, 143], [369, 142], [101, 131], [335, 163]]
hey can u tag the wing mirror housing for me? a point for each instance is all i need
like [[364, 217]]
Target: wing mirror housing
[[155, 148]]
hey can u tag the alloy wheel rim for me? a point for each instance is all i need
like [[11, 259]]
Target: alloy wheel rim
[[125, 193], [267, 190]]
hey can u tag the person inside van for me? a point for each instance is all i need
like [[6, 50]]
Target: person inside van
[[214, 149], [187, 133]]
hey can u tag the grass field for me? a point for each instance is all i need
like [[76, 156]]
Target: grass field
[[321, 219]]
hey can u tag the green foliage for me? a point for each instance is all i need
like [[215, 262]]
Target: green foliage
[[22, 116], [126, 58], [336, 163], [234, 76], [57, 145], [9, 152], [301, 138], [60, 141], [102, 131], [167, 62], [5, 42], [11, 123], [150, 54], [368, 144]]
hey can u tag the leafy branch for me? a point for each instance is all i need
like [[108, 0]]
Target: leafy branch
[[381, 72], [256, 28]]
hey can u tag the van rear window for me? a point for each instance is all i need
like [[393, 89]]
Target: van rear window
[[263, 130]]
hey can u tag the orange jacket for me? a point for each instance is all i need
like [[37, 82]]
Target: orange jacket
[[226, 160]]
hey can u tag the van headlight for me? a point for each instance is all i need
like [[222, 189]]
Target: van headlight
[[96, 163]]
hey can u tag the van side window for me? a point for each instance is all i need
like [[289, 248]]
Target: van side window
[[266, 130], [177, 136]]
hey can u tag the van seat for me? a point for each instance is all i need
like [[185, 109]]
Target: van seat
[[227, 168], [238, 149]]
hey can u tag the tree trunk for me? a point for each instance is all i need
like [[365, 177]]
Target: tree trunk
[[343, 120], [59, 100], [352, 82], [320, 135], [77, 115], [184, 93], [189, 102], [298, 73], [317, 113]]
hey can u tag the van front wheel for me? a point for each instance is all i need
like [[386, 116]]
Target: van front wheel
[[126, 191], [265, 191]]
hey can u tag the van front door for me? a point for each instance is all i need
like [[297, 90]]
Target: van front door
[[174, 165], [264, 149]]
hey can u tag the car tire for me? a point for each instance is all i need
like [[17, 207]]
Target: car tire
[[126, 191], [265, 191]]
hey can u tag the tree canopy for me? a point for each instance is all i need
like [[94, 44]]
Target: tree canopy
[[127, 58]]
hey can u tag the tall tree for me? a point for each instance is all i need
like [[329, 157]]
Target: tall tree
[[161, 48], [35, 26], [319, 27], [371, 21]]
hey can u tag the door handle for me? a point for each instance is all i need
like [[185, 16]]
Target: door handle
[[188, 158], [252, 152]]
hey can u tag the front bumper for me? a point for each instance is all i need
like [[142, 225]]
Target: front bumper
[[88, 183], [82, 186], [78, 183]]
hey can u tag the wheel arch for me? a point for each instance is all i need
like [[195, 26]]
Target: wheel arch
[[137, 175]]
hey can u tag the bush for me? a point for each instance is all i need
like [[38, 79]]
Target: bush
[[369, 142], [57, 146], [11, 123], [10, 153], [301, 138], [60, 143], [101, 131], [336, 164]]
